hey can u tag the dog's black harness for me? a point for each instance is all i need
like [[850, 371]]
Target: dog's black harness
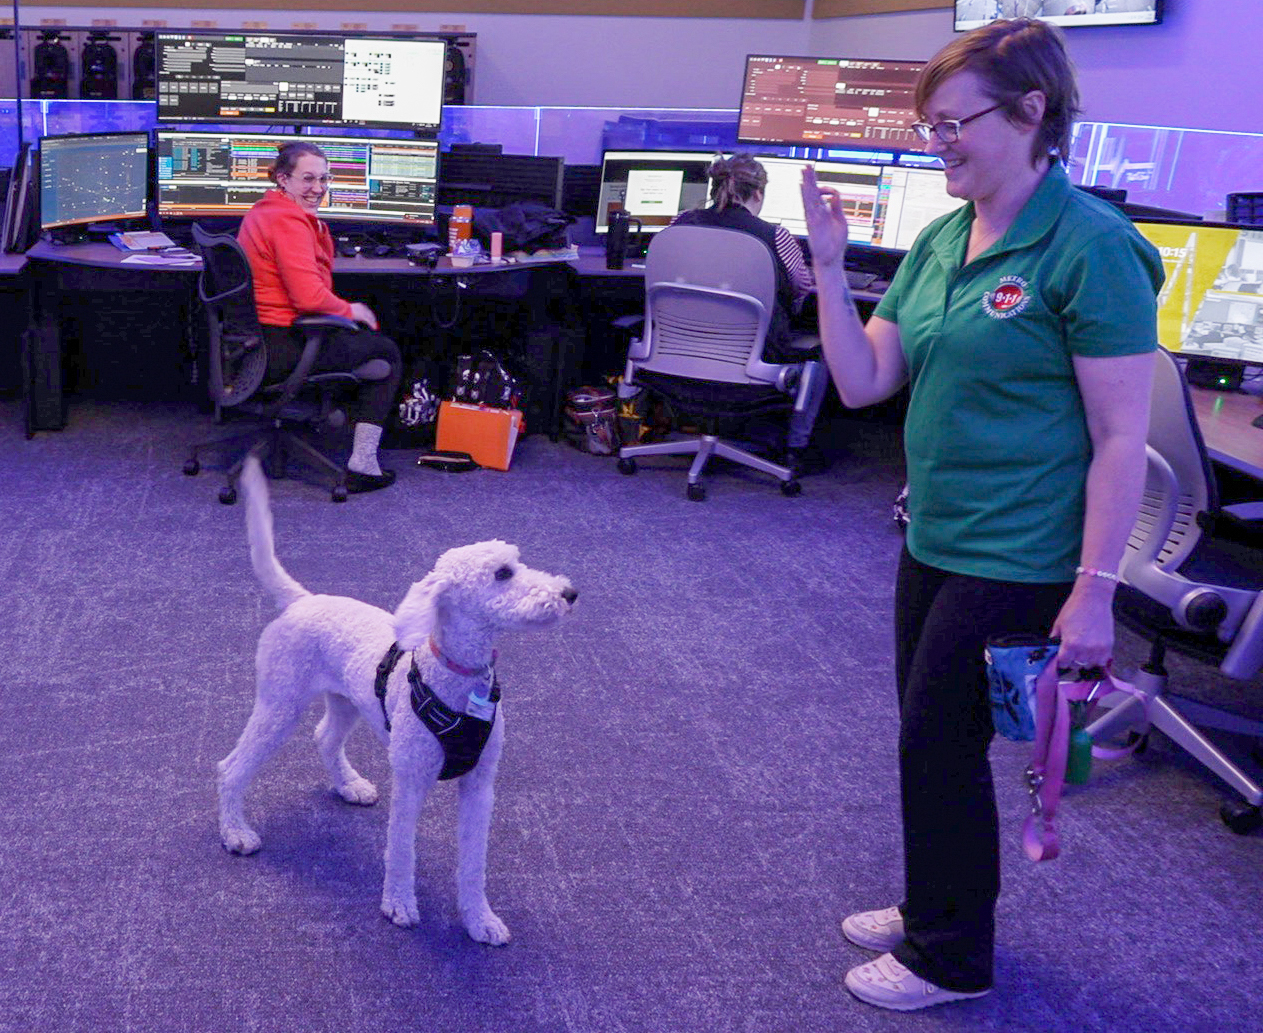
[[462, 736]]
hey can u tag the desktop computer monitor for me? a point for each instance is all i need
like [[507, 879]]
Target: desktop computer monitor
[[93, 177], [858, 184], [203, 174], [652, 186], [829, 102], [908, 200], [1211, 305], [300, 79]]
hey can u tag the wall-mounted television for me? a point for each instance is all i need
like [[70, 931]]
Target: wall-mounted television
[[299, 79], [970, 14], [829, 102]]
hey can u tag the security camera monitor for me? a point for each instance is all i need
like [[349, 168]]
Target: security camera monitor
[[93, 177], [829, 102], [652, 187], [223, 173], [971, 14], [300, 79]]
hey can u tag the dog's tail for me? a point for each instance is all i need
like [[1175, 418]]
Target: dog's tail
[[283, 588]]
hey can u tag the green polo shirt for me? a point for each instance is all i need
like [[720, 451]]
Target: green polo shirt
[[996, 439]]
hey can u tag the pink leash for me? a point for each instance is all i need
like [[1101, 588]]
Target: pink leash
[[1046, 775]]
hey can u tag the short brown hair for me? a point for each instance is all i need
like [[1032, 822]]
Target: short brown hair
[[287, 155], [1012, 58], [735, 180]]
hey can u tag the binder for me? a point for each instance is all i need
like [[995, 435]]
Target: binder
[[488, 435]]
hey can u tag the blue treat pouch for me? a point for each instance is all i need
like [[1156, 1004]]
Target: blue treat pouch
[[1014, 663]]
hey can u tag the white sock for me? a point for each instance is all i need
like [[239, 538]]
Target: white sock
[[364, 449]]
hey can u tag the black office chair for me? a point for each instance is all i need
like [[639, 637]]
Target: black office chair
[[238, 368], [709, 297], [1193, 581]]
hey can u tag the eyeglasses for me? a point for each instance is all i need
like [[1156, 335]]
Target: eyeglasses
[[948, 131], [307, 179]]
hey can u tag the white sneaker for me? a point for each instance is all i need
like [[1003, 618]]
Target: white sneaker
[[875, 930], [887, 984]]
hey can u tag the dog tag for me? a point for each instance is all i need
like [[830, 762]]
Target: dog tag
[[483, 709]]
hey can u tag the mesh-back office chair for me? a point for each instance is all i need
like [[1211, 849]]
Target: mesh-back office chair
[[709, 297], [1190, 588], [238, 368]]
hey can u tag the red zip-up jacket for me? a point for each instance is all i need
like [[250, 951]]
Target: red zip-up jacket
[[291, 259]]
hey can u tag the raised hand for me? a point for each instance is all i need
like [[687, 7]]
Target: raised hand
[[826, 222]]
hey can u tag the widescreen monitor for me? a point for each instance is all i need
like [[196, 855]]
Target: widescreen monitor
[[1211, 305], [829, 102], [970, 14], [203, 174], [93, 177], [300, 79], [783, 200], [653, 187], [908, 200]]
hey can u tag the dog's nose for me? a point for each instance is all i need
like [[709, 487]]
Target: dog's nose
[[570, 595]]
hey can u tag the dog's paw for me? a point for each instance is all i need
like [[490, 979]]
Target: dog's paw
[[400, 910], [359, 791], [486, 927], [240, 841]]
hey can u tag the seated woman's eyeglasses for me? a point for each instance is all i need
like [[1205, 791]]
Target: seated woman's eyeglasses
[[308, 179], [948, 130]]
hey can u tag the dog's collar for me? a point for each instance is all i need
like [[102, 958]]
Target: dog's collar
[[452, 665]]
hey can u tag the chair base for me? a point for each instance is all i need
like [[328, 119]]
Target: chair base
[[702, 448], [1174, 718], [276, 449]]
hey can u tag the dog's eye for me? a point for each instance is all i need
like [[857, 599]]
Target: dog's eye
[[504, 573]]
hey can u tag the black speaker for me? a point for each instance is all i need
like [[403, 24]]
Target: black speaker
[[454, 75], [99, 67], [50, 74], [144, 61]]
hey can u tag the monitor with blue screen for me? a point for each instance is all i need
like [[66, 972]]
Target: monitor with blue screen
[[93, 177]]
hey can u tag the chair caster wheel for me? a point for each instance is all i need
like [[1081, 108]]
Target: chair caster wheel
[[339, 494], [1241, 818], [791, 488], [627, 466], [228, 496], [697, 493], [192, 468]]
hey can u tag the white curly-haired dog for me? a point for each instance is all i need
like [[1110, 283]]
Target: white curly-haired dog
[[332, 646]]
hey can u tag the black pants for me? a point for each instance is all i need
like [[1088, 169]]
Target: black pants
[[342, 350], [950, 827]]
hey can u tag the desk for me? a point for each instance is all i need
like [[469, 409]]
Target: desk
[[62, 274], [1225, 420]]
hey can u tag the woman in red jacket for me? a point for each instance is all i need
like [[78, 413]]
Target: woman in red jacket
[[291, 259]]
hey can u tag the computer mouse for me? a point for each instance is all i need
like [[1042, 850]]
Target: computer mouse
[[383, 250], [348, 250]]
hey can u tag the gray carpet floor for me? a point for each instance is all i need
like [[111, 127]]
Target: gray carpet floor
[[698, 782]]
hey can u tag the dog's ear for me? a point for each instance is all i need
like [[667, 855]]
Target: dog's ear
[[414, 619]]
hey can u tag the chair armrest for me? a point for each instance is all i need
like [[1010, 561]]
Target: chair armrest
[[302, 371], [1143, 572], [326, 322]]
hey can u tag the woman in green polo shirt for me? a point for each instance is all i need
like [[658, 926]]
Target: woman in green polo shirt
[[1024, 323]]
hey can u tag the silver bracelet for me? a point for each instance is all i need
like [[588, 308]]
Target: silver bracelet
[[1093, 572]]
